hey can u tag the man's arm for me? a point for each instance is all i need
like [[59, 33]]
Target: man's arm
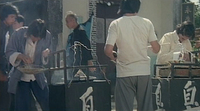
[[108, 50], [155, 46], [167, 49], [49, 48], [12, 50], [86, 49]]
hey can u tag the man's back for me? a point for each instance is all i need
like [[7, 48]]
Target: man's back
[[132, 36]]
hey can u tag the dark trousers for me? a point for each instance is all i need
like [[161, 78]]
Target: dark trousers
[[4, 96], [12, 103], [24, 93]]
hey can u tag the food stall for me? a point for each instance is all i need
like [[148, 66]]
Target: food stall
[[86, 93], [176, 85]]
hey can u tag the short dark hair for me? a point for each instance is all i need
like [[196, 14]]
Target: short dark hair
[[20, 18], [37, 28], [186, 29], [129, 6], [8, 9]]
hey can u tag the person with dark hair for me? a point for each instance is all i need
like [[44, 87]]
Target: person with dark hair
[[29, 45], [176, 41], [8, 10], [19, 22], [129, 7], [132, 34], [78, 38], [8, 14]]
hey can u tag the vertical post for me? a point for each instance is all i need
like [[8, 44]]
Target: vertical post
[[154, 68], [172, 70], [65, 76], [65, 66], [58, 60], [87, 74], [190, 71]]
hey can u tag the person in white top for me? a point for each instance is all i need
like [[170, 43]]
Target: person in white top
[[19, 22], [29, 45], [131, 34], [173, 41]]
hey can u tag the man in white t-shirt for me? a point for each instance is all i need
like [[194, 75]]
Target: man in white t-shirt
[[131, 34]]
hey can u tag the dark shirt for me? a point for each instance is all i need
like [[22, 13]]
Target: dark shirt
[[80, 50], [3, 61]]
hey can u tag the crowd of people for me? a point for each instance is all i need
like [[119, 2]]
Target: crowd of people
[[130, 33], [26, 45], [31, 45]]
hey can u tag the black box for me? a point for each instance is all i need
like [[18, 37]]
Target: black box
[[176, 94], [80, 96]]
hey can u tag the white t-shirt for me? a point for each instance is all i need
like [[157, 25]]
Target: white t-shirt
[[131, 35]]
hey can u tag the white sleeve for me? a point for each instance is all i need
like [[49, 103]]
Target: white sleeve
[[166, 50], [13, 59], [112, 34]]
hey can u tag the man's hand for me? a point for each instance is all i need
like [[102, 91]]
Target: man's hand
[[46, 52], [26, 59], [108, 50]]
